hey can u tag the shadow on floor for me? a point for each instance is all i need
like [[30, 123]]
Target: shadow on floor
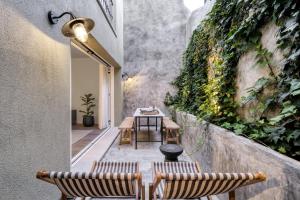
[[81, 127], [81, 143]]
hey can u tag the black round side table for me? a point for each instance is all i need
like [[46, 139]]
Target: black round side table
[[171, 152]]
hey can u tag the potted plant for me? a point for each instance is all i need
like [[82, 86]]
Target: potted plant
[[89, 102]]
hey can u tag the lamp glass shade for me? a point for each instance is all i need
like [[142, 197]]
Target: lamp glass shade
[[80, 32]]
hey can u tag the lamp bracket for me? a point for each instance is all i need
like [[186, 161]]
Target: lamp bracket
[[53, 18], [125, 76]]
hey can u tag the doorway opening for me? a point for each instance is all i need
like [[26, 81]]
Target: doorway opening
[[88, 77]]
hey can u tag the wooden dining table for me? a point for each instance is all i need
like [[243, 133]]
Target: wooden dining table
[[148, 113]]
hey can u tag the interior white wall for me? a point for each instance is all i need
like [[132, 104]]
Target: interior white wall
[[85, 79], [101, 92]]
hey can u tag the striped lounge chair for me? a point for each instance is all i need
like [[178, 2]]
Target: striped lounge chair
[[106, 179], [184, 180]]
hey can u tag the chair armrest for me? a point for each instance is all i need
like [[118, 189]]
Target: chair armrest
[[231, 195], [198, 166], [44, 176], [143, 191], [153, 186], [93, 166], [151, 191], [139, 185]]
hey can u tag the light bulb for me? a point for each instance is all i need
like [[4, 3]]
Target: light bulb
[[80, 32]]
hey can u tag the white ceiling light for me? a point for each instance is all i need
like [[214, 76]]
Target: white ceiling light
[[193, 4]]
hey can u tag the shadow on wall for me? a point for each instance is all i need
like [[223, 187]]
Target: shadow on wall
[[21, 15], [152, 95]]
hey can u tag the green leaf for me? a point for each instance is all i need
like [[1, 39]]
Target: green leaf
[[282, 150], [226, 125], [295, 55], [295, 84], [296, 134], [276, 134], [296, 92], [288, 110], [295, 87]]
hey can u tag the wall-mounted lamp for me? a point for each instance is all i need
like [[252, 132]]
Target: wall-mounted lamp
[[125, 76], [78, 28]]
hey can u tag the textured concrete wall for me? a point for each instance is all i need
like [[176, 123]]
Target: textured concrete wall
[[219, 150], [154, 41], [35, 99], [35, 92], [85, 79], [196, 17]]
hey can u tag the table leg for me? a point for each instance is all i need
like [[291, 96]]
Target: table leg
[[139, 123], [161, 130], [148, 124], [136, 130]]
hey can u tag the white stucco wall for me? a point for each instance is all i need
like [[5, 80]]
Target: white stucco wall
[[85, 79], [35, 99], [35, 105]]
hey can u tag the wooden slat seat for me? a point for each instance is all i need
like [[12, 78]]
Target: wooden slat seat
[[126, 130], [166, 118], [169, 124], [190, 183], [105, 180], [171, 130]]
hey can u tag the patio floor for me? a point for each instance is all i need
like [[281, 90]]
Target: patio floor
[[145, 154]]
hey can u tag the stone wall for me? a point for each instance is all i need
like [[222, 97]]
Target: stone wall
[[154, 41], [219, 150], [196, 17], [248, 71]]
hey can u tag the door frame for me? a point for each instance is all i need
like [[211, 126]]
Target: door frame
[[102, 95], [105, 64]]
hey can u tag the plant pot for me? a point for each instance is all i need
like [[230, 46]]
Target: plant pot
[[88, 121]]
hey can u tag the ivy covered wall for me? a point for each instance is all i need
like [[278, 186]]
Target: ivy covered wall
[[213, 61]]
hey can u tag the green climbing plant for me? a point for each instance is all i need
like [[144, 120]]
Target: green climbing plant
[[206, 85]]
